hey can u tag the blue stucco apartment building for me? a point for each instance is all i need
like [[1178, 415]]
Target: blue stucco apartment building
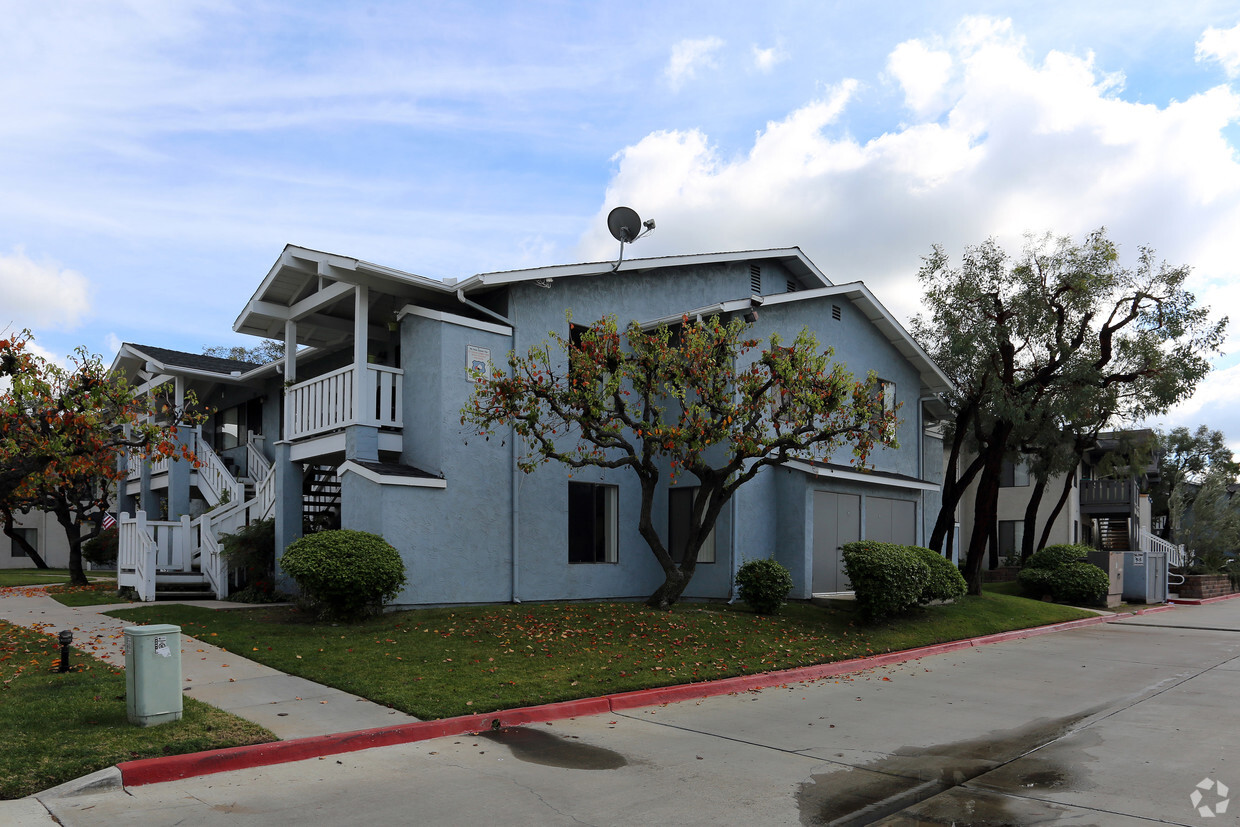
[[359, 426]]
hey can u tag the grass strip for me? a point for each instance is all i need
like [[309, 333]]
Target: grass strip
[[436, 663], [58, 727], [32, 577], [96, 594]]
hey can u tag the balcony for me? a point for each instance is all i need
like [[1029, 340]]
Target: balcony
[[1108, 497], [329, 402]]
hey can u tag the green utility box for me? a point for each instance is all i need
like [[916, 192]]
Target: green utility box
[[153, 674]]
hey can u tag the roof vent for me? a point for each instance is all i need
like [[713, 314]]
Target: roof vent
[[790, 286], [835, 312], [755, 279]]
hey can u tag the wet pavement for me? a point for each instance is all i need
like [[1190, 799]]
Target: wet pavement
[[1120, 724]]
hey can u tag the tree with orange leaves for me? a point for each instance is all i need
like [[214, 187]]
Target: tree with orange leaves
[[697, 398], [61, 432]]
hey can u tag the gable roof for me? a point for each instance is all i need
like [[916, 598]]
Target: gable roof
[[791, 257], [194, 361]]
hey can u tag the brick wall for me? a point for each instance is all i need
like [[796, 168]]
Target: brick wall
[[1201, 586]]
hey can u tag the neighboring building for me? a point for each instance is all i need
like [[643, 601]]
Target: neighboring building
[[359, 426], [43, 532], [1106, 508]]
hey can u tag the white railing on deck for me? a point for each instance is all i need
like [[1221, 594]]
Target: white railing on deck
[[214, 479], [1148, 542], [327, 403], [145, 547]]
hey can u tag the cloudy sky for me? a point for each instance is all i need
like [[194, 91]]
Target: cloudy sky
[[155, 157]]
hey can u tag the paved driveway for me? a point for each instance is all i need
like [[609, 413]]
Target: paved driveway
[[1113, 724]]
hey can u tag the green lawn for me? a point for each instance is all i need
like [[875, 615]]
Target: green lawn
[[58, 727], [96, 594], [435, 663], [32, 577]]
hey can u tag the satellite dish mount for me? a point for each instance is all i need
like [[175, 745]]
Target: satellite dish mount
[[626, 226]]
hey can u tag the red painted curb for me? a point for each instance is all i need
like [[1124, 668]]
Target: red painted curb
[[174, 767]]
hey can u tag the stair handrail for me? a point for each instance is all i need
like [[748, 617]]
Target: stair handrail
[[136, 555], [256, 463], [211, 561], [215, 478]]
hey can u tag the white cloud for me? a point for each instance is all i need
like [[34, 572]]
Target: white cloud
[[922, 73], [41, 294], [1014, 144], [688, 56], [1221, 46], [113, 344], [764, 60]]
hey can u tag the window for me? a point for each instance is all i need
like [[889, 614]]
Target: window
[[1013, 475], [889, 395], [30, 535], [1011, 537], [679, 518], [591, 523], [228, 429]]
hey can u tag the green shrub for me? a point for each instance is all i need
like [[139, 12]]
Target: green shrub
[[1052, 557], [101, 550], [344, 574], [1079, 583], [763, 585], [1035, 583], [945, 581], [887, 579], [251, 551]]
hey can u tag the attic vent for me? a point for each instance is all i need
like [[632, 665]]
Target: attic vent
[[835, 312], [755, 279], [791, 286]]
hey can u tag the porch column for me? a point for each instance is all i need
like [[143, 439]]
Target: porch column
[[179, 470], [290, 373], [288, 507], [362, 402]]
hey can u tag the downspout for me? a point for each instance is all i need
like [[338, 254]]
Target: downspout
[[921, 458], [516, 468]]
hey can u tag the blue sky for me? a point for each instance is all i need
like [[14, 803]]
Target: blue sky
[[155, 157]]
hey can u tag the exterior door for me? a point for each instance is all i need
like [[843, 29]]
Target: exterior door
[[837, 520]]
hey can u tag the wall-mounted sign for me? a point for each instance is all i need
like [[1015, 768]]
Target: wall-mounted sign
[[477, 358]]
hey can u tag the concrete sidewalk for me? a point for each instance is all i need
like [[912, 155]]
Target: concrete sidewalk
[[290, 707]]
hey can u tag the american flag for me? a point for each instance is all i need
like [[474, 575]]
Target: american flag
[[108, 520]]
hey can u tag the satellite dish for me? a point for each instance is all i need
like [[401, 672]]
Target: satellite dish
[[624, 223]]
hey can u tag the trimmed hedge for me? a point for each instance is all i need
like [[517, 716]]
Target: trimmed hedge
[[887, 579], [1052, 557], [1079, 583], [344, 574], [945, 581], [1063, 572], [763, 585]]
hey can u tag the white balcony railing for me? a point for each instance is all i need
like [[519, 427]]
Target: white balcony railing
[[326, 403]]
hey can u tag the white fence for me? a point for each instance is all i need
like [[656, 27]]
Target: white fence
[[326, 403]]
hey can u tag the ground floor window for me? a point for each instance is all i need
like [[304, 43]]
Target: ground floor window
[[679, 519], [592, 522], [1011, 538], [30, 535]]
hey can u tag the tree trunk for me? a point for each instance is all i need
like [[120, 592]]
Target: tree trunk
[[1059, 504], [30, 550], [945, 524], [73, 533], [1031, 519], [985, 507]]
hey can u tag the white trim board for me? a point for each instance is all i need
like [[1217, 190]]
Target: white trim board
[[452, 318], [349, 467], [859, 476]]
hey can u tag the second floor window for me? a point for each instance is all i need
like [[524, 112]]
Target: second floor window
[[1014, 474]]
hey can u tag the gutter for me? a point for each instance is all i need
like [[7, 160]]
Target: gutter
[[516, 469]]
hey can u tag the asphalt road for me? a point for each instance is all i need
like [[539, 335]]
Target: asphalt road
[[1116, 724]]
